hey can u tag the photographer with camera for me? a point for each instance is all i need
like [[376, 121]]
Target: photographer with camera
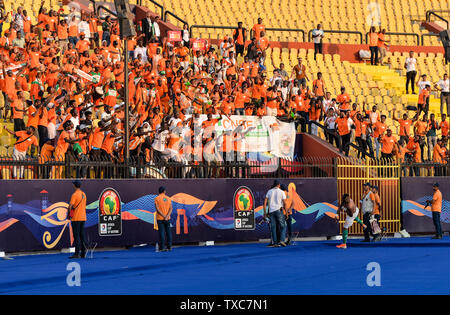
[[436, 208]]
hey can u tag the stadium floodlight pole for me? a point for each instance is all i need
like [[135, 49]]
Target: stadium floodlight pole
[[127, 104], [127, 30]]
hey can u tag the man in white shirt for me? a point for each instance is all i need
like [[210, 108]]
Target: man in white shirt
[[273, 204], [317, 35], [411, 72], [444, 86], [83, 27], [155, 29], [423, 82]]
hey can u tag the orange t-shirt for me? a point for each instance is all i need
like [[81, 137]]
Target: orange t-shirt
[[405, 126], [257, 29], [24, 140], [444, 128], [78, 202], [421, 127], [163, 203], [388, 144], [436, 205]]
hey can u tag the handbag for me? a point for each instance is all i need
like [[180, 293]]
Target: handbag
[[374, 224]]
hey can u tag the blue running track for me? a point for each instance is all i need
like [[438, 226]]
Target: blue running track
[[408, 266]]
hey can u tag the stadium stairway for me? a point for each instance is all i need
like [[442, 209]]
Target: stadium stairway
[[390, 81]]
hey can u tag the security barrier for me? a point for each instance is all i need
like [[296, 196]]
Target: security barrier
[[353, 173]]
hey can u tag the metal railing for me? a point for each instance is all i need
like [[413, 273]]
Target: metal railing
[[339, 32], [167, 12], [423, 36], [426, 169], [108, 168], [398, 34], [433, 12], [210, 27], [159, 6], [298, 30], [336, 138]]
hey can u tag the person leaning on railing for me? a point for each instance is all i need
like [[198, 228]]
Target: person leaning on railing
[[439, 157], [24, 139]]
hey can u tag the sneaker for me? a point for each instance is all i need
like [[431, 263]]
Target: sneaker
[[83, 255], [164, 250], [288, 242], [343, 246], [365, 240], [437, 237], [283, 244], [271, 245]]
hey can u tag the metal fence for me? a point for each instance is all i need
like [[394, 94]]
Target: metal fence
[[137, 167]]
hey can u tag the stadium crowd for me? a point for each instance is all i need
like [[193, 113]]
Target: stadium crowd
[[63, 87]]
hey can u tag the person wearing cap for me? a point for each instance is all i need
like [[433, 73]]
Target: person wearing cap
[[77, 215], [163, 206], [274, 203], [376, 209], [436, 208], [367, 205]]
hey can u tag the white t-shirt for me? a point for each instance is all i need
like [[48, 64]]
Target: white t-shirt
[[276, 197], [422, 85], [159, 144], [83, 27], [142, 51], [317, 39], [367, 203], [444, 85], [330, 122], [410, 64], [105, 116]]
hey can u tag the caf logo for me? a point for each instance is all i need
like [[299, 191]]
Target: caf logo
[[243, 199], [109, 202]]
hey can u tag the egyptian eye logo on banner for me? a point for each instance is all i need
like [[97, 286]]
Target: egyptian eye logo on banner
[[109, 213], [244, 209]]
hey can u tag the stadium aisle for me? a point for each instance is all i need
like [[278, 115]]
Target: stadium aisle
[[305, 268]]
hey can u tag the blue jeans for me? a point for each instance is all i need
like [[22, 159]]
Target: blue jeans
[[165, 235], [73, 40], [377, 148], [437, 222], [289, 226], [277, 222]]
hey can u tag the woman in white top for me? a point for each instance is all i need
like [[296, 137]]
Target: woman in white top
[[185, 35]]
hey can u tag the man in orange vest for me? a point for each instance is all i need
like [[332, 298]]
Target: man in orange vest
[[163, 205], [77, 215], [436, 208]]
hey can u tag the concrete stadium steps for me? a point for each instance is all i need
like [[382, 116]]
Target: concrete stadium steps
[[390, 79]]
